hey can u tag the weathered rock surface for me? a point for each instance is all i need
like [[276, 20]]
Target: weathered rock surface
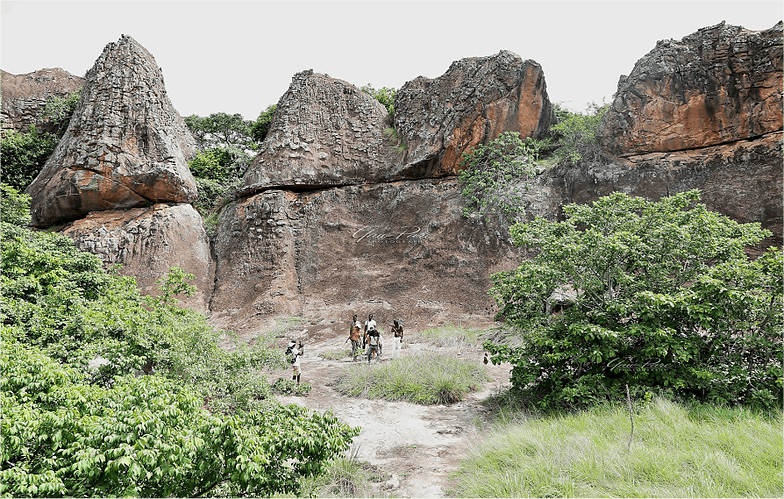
[[472, 103], [24, 96], [326, 132], [742, 180], [125, 147], [398, 249], [148, 242], [718, 85]]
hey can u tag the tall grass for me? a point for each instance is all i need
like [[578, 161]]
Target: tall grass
[[676, 452], [345, 477], [420, 378], [450, 335]]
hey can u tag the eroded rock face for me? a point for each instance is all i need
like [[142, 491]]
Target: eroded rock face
[[326, 132], [399, 250], [125, 147], [24, 96], [473, 102], [718, 85], [148, 242]]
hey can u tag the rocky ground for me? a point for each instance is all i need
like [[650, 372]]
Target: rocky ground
[[414, 447]]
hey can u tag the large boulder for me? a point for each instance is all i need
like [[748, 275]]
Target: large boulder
[[24, 96], [125, 147], [147, 242], [325, 132], [719, 85], [397, 249], [477, 99]]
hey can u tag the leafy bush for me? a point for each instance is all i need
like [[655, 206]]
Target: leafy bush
[[676, 451], [657, 295], [261, 127], [421, 379], [15, 206], [290, 387], [574, 136], [495, 175], [24, 155], [384, 95], [57, 112]]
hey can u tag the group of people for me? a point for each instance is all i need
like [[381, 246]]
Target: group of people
[[369, 338]]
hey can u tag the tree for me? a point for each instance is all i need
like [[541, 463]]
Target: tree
[[24, 155], [495, 175], [260, 128], [384, 95], [574, 135], [230, 131], [657, 295]]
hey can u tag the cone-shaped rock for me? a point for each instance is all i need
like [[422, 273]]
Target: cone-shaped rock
[[716, 86], [126, 146], [477, 99]]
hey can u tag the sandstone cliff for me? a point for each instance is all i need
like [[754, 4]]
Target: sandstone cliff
[[125, 147], [24, 96]]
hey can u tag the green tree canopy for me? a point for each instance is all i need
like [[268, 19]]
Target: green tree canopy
[[657, 295]]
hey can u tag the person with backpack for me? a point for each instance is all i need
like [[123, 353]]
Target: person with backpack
[[373, 337], [397, 331], [354, 334], [296, 351]]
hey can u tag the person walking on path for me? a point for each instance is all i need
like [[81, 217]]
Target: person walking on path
[[397, 331], [354, 335]]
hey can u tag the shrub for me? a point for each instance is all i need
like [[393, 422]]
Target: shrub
[[495, 175], [24, 155], [657, 295], [574, 136]]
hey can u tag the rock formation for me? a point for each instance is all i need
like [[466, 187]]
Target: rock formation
[[147, 242], [719, 85], [701, 113], [125, 147], [472, 103], [24, 96], [327, 132]]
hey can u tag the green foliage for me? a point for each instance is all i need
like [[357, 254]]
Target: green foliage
[[212, 164], [450, 335], [657, 295], [24, 155], [676, 451], [14, 206], [146, 437], [290, 387], [57, 111], [77, 423], [261, 127], [385, 95], [495, 175], [574, 135], [421, 379], [221, 130], [345, 477]]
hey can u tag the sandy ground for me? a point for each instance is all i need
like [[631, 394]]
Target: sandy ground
[[416, 447]]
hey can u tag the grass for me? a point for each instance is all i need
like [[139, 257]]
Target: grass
[[336, 354], [452, 336], [345, 477], [676, 452], [425, 379]]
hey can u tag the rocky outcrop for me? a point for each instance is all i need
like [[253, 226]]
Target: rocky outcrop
[[24, 96], [399, 249], [147, 242], [125, 147], [472, 103], [719, 85], [326, 132]]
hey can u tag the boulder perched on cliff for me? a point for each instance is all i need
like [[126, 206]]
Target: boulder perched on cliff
[[24, 96], [325, 132], [125, 147], [473, 102], [147, 242], [718, 85]]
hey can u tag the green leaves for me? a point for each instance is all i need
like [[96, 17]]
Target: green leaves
[[495, 176], [659, 295], [24, 155]]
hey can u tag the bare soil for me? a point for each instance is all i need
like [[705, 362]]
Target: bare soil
[[415, 447]]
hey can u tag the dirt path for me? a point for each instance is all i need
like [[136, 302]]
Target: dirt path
[[414, 446]]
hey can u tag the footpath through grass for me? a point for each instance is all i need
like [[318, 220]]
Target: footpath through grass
[[676, 452], [420, 378]]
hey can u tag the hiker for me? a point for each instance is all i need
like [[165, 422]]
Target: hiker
[[372, 338], [374, 344], [397, 331], [355, 332], [296, 352]]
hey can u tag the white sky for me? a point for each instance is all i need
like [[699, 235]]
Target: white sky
[[239, 57]]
